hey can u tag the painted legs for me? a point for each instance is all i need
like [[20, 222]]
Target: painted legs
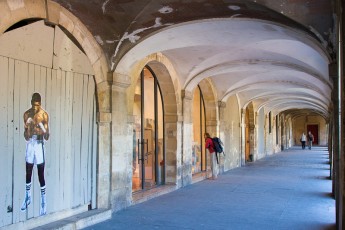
[[43, 205], [27, 198]]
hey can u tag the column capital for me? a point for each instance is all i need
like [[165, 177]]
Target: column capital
[[186, 94], [221, 104], [103, 96], [121, 80], [103, 86], [103, 117], [211, 123]]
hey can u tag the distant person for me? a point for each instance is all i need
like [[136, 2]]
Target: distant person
[[210, 148], [36, 131], [303, 140], [310, 140]]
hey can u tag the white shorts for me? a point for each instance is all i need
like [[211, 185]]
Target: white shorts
[[34, 151]]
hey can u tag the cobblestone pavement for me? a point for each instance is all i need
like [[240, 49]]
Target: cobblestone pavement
[[290, 190]]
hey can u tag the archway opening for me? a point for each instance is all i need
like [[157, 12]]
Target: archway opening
[[35, 57], [199, 126], [148, 133]]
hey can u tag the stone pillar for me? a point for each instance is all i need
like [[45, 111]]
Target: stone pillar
[[252, 136], [122, 145], [104, 140], [329, 145], [282, 132], [255, 138], [221, 106], [222, 131], [187, 135], [341, 123], [243, 137], [337, 183], [211, 128], [173, 150]]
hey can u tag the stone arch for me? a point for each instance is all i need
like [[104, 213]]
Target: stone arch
[[53, 13], [12, 12], [170, 88], [208, 94], [167, 78], [211, 106]]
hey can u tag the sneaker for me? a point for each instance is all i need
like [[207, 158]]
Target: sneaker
[[26, 202], [43, 206]]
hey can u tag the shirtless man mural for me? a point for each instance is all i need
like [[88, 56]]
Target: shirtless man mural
[[36, 131]]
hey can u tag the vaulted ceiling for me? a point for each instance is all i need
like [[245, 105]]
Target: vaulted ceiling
[[273, 53]]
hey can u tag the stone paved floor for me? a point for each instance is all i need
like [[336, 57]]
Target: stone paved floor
[[289, 190]]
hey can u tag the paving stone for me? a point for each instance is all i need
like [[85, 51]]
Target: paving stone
[[288, 190]]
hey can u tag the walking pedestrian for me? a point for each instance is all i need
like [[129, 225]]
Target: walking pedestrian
[[310, 140], [303, 140]]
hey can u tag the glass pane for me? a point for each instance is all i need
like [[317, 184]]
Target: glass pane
[[196, 145], [203, 130], [136, 167], [149, 129], [160, 139], [144, 171]]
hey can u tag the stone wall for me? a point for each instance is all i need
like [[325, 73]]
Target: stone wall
[[230, 133], [300, 125]]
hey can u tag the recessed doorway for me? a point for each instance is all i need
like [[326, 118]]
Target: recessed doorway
[[148, 133]]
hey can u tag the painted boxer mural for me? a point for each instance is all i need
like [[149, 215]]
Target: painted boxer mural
[[36, 132]]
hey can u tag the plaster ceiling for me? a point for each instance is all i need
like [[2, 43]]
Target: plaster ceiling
[[274, 53]]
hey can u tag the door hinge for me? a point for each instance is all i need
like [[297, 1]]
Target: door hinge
[[9, 208]]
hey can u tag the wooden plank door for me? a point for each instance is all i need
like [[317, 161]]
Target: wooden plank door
[[70, 166], [6, 141]]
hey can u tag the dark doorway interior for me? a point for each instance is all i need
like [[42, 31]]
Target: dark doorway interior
[[314, 129]]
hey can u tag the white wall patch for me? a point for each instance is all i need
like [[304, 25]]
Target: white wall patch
[[99, 39], [166, 10], [233, 7], [103, 6], [133, 37]]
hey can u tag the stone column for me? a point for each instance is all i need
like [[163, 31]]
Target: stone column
[[335, 132], [283, 144], [121, 142], [341, 123], [187, 135], [243, 137], [104, 149], [222, 131], [221, 106], [255, 138], [330, 144], [173, 149]]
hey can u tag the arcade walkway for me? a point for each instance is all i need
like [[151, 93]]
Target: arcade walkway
[[289, 190]]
